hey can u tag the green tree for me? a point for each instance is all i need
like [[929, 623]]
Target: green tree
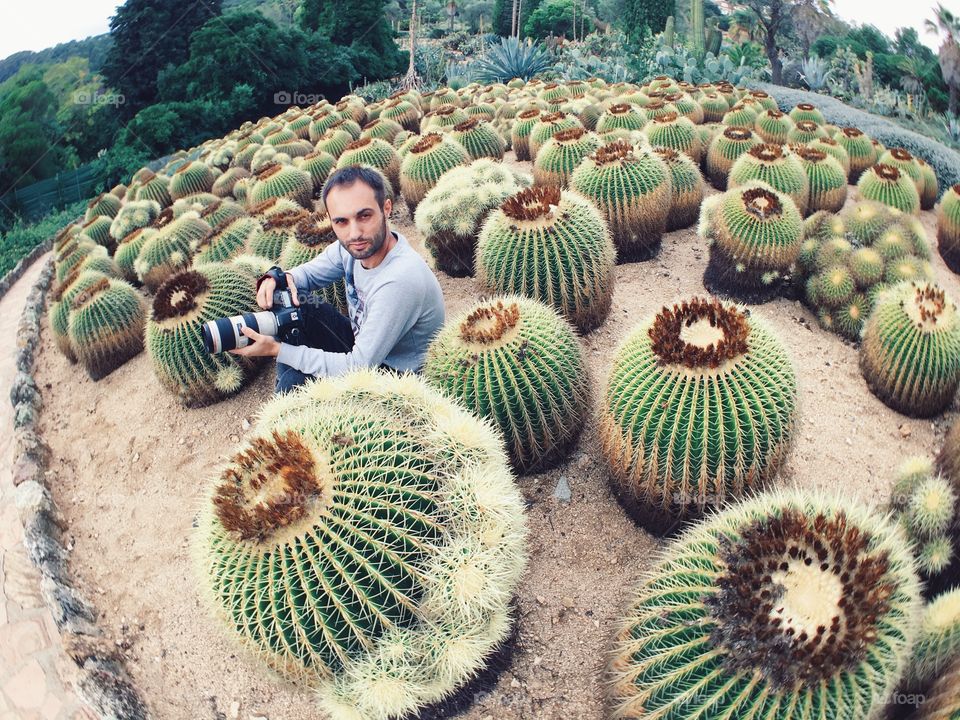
[[775, 19], [553, 17], [949, 53], [148, 35], [642, 15]]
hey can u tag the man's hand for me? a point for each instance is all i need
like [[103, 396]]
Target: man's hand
[[265, 293], [262, 346]]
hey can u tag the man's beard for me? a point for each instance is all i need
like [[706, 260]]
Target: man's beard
[[373, 244]]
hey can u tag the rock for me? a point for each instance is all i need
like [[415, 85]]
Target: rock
[[562, 491], [234, 438], [905, 432], [541, 599], [514, 683], [567, 602], [234, 710], [245, 424]]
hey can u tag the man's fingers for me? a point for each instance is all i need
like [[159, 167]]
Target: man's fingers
[[265, 293], [293, 289]]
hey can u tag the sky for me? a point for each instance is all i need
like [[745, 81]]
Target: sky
[[38, 24]]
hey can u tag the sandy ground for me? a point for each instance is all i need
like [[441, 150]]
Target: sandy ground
[[129, 465]]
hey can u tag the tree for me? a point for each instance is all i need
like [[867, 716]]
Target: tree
[[641, 15], [553, 17], [147, 36], [411, 79], [949, 53]]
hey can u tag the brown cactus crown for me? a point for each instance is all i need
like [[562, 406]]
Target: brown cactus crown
[[766, 152], [807, 126], [886, 172], [738, 133], [852, 132], [620, 108], [466, 125], [929, 305], [572, 134], [428, 141], [284, 219], [315, 230], [763, 204], [268, 171], [612, 152], [163, 219], [901, 154], [445, 110], [183, 168], [669, 155], [527, 114], [666, 118], [806, 106], [89, 293], [357, 144], [811, 154], [532, 203], [179, 295], [271, 486], [489, 324], [799, 598], [554, 117], [775, 114], [699, 333]]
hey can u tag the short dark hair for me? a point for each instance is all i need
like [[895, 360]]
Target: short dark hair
[[369, 176]]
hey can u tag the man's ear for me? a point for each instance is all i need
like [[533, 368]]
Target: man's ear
[[387, 206]]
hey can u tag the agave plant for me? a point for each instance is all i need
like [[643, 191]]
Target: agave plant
[[816, 72], [512, 58]]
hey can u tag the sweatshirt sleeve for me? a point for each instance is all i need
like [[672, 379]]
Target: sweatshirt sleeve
[[392, 309], [325, 268]]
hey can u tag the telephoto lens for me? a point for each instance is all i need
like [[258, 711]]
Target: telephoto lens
[[225, 334]]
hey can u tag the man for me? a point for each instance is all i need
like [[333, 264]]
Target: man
[[394, 300]]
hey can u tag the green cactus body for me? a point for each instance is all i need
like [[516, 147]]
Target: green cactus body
[[387, 581], [63, 296], [686, 107], [740, 116], [334, 141], [807, 256], [319, 165], [827, 180], [105, 204], [105, 326], [756, 235], [244, 158], [866, 221], [906, 163], [698, 410], [910, 356], [805, 131], [173, 336], [429, 158], [452, 213], [866, 267], [763, 99], [848, 319], [724, 150], [907, 268], [227, 240], [938, 642], [948, 227], [773, 126], [561, 154], [154, 187], [381, 129], [674, 132], [520, 133], [99, 259], [782, 171], [321, 123], [282, 181], [930, 508], [279, 137], [714, 107], [887, 185], [633, 190], [807, 112], [834, 287], [622, 116], [190, 178], [170, 249], [220, 211], [128, 250], [553, 246], [554, 94], [134, 215], [403, 112], [479, 139], [72, 254], [546, 127], [686, 187], [97, 229], [833, 148], [786, 606], [443, 119], [375, 153], [274, 233], [860, 149], [295, 148], [931, 186], [516, 362], [197, 203], [353, 111], [935, 555]]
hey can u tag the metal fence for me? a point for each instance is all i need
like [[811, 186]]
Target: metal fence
[[35, 200]]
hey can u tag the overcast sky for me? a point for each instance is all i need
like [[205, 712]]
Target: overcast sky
[[38, 24]]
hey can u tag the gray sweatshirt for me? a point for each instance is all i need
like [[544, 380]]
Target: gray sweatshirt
[[395, 310]]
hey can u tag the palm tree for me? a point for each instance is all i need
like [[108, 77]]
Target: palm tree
[[949, 53], [411, 80]]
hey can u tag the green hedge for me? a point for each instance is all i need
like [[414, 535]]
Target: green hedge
[[22, 238], [945, 162]]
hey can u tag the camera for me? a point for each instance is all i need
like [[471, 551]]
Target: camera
[[283, 321]]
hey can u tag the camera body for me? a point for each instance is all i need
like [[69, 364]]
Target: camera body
[[283, 321]]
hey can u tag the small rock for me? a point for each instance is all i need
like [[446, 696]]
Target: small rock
[[567, 602], [541, 599], [562, 491], [136, 457], [514, 683], [905, 431], [235, 438], [583, 461], [245, 424], [234, 710]]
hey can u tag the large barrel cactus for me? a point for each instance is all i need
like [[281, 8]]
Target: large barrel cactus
[[771, 164], [686, 187], [787, 607], [105, 325], [723, 151], [827, 180], [890, 186], [860, 149], [633, 189], [170, 249], [480, 139], [948, 227], [366, 541], [282, 181], [174, 340], [190, 178], [515, 361], [698, 410], [561, 154], [910, 356], [428, 158], [551, 245], [311, 236], [375, 153]]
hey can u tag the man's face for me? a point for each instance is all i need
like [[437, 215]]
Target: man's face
[[360, 224]]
